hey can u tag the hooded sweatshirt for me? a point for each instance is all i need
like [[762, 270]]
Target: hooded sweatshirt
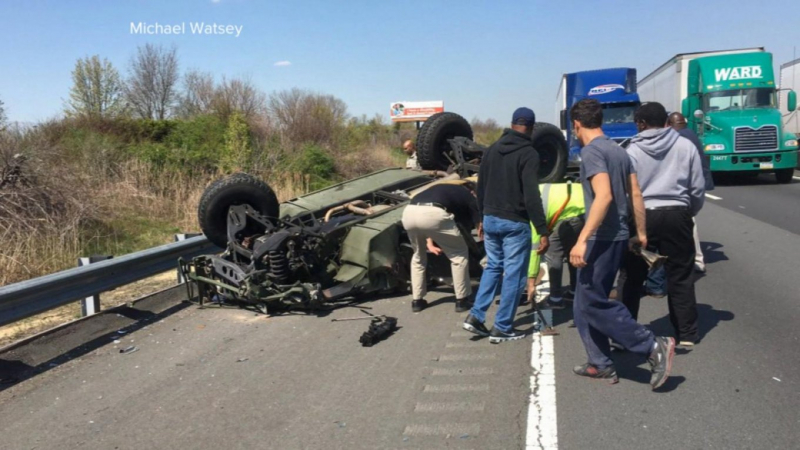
[[508, 184], [669, 169]]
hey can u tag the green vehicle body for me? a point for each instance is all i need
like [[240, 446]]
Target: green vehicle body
[[346, 253], [755, 120]]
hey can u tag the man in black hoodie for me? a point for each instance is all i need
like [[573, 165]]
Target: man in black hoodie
[[509, 199]]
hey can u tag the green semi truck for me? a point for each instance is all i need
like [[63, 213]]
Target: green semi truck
[[729, 98]]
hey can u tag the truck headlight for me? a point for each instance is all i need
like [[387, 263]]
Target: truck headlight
[[715, 147], [790, 143]]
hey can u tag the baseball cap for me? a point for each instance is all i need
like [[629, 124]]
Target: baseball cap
[[523, 116]]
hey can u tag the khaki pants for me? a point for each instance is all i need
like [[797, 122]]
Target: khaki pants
[[423, 222], [699, 261]]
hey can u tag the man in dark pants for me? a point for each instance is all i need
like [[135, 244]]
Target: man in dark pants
[[508, 196], [657, 281], [671, 178], [608, 179]]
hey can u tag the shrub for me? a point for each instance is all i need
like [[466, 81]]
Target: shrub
[[238, 154], [316, 164], [196, 144]]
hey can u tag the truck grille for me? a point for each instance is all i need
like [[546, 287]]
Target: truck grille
[[751, 140]]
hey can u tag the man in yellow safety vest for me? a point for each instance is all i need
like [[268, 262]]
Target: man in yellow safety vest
[[564, 208]]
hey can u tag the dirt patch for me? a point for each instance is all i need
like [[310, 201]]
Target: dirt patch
[[37, 324]]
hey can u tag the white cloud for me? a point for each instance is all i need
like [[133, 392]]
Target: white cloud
[[282, 63], [215, 1]]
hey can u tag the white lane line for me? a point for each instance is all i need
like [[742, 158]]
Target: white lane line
[[450, 388], [439, 407], [713, 197], [542, 431], [452, 429], [462, 344], [467, 371], [468, 357]]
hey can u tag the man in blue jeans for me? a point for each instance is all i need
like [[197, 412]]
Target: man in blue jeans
[[608, 179], [509, 199]]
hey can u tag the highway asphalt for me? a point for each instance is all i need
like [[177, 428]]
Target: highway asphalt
[[226, 378]]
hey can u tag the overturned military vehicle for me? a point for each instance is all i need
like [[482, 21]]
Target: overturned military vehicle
[[338, 243]]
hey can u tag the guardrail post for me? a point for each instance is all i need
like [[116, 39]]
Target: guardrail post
[[91, 305], [183, 237]]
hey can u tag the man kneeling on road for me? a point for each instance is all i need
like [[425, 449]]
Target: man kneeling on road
[[564, 207], [431, 221]]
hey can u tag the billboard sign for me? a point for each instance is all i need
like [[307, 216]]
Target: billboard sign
[[414, 111]]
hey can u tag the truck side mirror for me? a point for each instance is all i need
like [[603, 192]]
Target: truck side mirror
[[791, 101], [563, 119]]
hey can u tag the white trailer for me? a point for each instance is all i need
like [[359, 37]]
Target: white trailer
[[790, 79], [561, 103], [668, 84]]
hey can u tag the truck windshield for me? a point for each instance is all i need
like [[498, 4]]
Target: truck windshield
[[739, 99], [618, 112]]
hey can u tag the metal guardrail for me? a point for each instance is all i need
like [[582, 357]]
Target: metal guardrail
[[27, 298]]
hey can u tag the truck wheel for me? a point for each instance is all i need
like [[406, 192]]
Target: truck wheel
[[237, 189], [553, 152], [432, 139], [784, 176]]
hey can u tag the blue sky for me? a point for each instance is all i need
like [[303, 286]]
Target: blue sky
[[483, 58]]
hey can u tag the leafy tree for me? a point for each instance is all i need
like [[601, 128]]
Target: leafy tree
[[238, 151], [151, 88], [96, 89]]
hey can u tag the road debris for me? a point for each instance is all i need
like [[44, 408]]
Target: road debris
[[242, 359], [380, 328], [130, 349], [776, 379]]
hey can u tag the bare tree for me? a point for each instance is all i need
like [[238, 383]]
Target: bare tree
[[198, 94], [305, 116], [3, 117], [239, 95], [152, 79], [96, 89]]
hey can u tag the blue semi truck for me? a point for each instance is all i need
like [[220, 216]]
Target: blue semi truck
[[614, 88]]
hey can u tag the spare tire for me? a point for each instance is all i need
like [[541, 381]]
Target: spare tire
[[553, 152], [237, 189], [432, 139]]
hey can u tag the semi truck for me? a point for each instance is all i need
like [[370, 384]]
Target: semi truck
[[614, 88], [729, 99], [790, 80]]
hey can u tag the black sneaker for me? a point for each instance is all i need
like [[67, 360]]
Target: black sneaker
[[661, 360], [590, 371], [418, 305], [474, 325], [463, 305], [497, 336]]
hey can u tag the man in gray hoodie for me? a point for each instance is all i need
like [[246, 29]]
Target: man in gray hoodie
[[670, 174]]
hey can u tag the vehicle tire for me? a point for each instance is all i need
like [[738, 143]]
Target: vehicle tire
[[784, 176], [432, 139], [423, 129], [237, 189], [553, 152]]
